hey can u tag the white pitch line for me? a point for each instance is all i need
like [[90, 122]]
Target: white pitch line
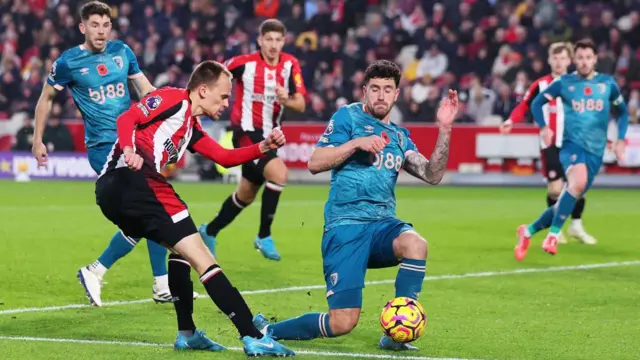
[[369, 283], [298, 352]]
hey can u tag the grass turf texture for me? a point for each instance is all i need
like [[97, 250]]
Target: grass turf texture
[[51, 229]]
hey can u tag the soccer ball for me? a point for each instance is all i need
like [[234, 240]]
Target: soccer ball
[[403, 320]]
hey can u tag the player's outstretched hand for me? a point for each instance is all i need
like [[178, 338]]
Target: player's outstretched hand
[[547, 135], [620, 148], [506, 126], [133, 160], [372, 144], [39, 151], [274, 141], [448, 109]]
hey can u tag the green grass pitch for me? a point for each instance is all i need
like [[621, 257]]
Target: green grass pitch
[[48, 230]]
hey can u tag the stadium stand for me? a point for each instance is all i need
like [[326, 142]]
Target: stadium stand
[[489, 49]]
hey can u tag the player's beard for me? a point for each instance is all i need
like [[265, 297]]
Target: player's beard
[[588, 73], [378, 114]]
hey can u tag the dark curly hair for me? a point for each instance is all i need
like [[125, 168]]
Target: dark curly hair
[[383, 69]]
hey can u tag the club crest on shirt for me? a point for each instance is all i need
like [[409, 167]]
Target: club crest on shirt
[[153, 102], [400, 138], [329, 129], [602, 87], [118, 61]]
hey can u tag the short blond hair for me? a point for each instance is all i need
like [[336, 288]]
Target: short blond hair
[[559, 47]]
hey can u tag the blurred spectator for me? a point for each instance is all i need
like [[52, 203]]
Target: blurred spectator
[[439, 44], [57, 137], [24, 137]]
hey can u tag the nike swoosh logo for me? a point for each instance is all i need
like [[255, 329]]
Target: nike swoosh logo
[[268, 346]]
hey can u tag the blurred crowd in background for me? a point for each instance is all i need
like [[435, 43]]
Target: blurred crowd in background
[[489, 49]]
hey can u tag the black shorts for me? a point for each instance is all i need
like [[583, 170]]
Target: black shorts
[[143, 204], [253, 170], [551, 165]]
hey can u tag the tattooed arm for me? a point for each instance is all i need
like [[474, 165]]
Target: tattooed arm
[[432, 170], [327, 158]]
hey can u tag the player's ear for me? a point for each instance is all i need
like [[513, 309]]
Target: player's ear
[[395, 98], [82, 28], [202, 91]]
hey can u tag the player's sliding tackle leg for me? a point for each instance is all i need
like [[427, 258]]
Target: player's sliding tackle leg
[[227, 298], [343, 315], [555, 216]]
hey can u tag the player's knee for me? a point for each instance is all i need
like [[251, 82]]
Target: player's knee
[[278, 177], [577, 186], [412, 246], [343, 321]]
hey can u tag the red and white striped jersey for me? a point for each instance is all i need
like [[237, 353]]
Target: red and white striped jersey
[[553, 110], [160, 128], [256, 105]]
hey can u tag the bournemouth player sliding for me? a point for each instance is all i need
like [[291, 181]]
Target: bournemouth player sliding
[[133, 194], [268, 81]]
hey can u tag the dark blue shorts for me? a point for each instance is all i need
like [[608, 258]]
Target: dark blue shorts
[[349, 250]]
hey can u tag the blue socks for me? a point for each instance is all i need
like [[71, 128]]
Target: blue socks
[[306, 327], [121, 245], [410, 278], [314, 325], [543, 222], [158, 258], [565, 206]]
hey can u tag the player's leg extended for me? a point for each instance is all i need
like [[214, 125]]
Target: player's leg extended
[[578, 180], [397, 242], [189, 338], [226, 297], [275, 173], [345, 252], [232, 206]]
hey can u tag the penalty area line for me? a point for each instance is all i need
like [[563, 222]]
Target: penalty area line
[[368, 283], [237, 349]]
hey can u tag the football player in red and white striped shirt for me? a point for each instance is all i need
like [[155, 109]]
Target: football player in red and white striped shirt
[[268, 81], [560, 55], [133, 194]]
